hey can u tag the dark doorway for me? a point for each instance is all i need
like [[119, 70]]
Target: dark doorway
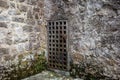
[[57, 44]]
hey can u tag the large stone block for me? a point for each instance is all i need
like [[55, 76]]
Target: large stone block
[[32, 37], [8, 40], [22, 8], [3, 24], [19, 35], [20, 38], [4, 51], [20, 47], [37, 29], [27, 28], [30, 22], [41, 3], [36, 46], [4, 4], [18, 19], [36, 9], [21, 0], [14, 12], [36, 16], [12, 5], [30, 45], [29, 14], [32, 2], [27, 46], [3, 34], [4, 18]]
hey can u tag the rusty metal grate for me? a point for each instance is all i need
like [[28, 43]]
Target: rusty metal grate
[[57, 45]]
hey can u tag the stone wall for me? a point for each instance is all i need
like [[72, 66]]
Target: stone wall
[[21, 27], [94, 27]]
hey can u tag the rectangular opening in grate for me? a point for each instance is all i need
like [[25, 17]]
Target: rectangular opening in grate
[[57, 44]]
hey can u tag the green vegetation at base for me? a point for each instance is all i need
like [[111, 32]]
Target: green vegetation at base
[[86, 71], [26, 68]]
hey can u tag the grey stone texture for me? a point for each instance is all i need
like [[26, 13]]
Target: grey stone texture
[[4, 4], [19, 28], [47, 75], [94, 31]]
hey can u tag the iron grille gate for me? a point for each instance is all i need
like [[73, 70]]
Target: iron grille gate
[[57, 44]]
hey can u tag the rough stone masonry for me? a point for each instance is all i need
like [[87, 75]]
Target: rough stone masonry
[[94, 30], [21, 27]]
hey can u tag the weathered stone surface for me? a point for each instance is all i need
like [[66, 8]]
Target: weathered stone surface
[[32, 38], [4, 18], [32, 2], [19, 35], [93, 29], [12, 5], [37, 29], [36, 9], [27, 46], [21, 0], [3, 24], [22, 8], [14, 12], [3, 4], [18, 31], [47, 75], [4, 51], [36, 16], [30, 22], [18, 19], [8, 39], [3, 34], [27, 28], [30, 14]]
